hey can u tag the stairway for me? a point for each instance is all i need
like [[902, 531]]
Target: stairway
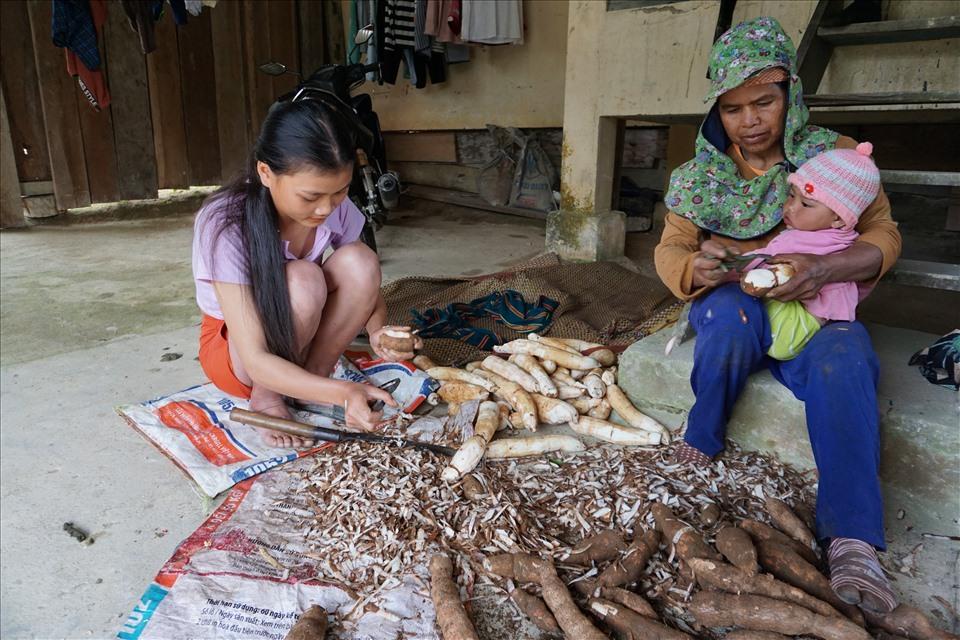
[[814, 54]]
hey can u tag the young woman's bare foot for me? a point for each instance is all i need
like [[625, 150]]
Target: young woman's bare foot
[[272, 404]]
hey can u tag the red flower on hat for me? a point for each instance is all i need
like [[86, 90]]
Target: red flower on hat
[[808, 187]]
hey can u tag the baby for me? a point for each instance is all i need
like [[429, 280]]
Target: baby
[[827, 195]]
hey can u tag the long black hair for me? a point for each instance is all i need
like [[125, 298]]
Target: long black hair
[[299, 135]]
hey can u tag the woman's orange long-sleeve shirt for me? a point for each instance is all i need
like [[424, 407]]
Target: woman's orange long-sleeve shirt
[[680, 242]]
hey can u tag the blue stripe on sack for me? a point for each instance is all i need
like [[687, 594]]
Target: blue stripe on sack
[[142, 612]]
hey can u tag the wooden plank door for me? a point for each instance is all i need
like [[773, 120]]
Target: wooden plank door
[[233, 115], [198, 87], [166, 107]]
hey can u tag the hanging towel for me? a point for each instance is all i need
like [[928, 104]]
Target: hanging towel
[[506, 307], [497, 22]]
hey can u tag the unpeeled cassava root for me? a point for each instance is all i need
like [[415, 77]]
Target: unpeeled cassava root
[[534, 608], [568, 615], [788, 522], [629, 567], [715, 609], [760, 531], [451, 617], [312, 625], [736, 546], [460, 392], [629, 625], [910, 623], [720, 576], [424, 362], [685, 539], [603, 546]]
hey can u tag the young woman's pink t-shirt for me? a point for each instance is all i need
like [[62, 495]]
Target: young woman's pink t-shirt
[[229, 265]]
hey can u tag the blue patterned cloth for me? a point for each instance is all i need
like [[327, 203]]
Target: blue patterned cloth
[[506, 307], [940, 362], [72, 27]]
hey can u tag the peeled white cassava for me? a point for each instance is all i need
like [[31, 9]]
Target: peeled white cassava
[[758, 282]]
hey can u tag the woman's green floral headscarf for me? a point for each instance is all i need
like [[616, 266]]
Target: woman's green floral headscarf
[[708, 190]]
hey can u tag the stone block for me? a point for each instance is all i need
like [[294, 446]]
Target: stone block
[[586, 236], [920, 422]]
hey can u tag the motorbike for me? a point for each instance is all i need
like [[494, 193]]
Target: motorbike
[[374, 189]]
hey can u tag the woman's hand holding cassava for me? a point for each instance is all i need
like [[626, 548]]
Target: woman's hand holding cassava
[[706, 265], [357, 398], [393, 343], [810, 274]]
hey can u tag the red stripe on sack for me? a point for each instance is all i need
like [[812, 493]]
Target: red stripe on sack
[[195, 423]]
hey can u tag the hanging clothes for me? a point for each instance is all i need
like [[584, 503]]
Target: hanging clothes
[[497, 22], [140, 16], [442, 20], [194, 7], [397, 24], [69, 25], [73, 29]]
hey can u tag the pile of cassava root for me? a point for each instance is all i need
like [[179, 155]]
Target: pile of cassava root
[[553, 381]]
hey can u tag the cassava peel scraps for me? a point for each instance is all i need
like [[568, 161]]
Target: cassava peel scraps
[[714, 609], [451, 617]]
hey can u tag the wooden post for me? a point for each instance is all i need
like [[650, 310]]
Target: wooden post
[[11, 206]]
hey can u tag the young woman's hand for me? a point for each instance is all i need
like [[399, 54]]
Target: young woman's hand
[[393, 355], [706, 265], [810, 275], [357, 400]]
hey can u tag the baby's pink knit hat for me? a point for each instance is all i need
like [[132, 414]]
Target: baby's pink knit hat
[[845, 180]]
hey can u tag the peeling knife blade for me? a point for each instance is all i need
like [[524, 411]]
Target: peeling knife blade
[[681, 330]]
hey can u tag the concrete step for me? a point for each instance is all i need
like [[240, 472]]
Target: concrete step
[[920, 422]]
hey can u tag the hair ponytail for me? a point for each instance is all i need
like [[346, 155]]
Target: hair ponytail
[[294, 136]]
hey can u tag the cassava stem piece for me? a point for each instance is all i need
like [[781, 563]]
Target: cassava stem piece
[[534, 445], [629, 567], [788, 522], [451, 616], [632, 416], [685, 539], [715, 609], [312, 625], [630, 625], [530, 364], [736, 546], [534, 608], [720, 576], [557, 597], [599, 547]]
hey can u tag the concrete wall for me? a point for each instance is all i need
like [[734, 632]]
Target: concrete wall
[[650, 63], [508, 85]]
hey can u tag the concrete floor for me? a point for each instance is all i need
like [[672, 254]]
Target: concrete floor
[[87, 312]]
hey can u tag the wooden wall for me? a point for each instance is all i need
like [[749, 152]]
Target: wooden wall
[[183, 115]]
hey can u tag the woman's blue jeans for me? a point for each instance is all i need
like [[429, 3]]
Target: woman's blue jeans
[[835, 376]]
